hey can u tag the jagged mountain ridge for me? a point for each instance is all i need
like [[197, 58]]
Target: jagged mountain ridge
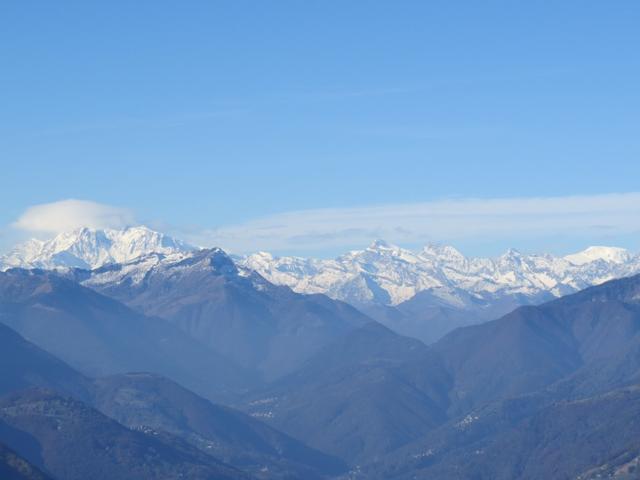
[[381, 274], [374, 391], [99, 336], [91, 248], [148, 401], [145, 403], [386, 274], [230, 309], [74, 441], [369, 392]]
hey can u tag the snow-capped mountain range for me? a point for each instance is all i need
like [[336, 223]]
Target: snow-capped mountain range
[[91, 248], [381, 274], [389, 275]]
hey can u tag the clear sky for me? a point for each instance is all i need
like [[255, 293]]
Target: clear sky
[[216, 119]]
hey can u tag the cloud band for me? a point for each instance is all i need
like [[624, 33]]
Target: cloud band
[[71, 214], [442, 220]]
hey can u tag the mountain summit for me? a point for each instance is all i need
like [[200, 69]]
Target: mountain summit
[[384, 274], [606, 254], [90, 248], [380, 275]]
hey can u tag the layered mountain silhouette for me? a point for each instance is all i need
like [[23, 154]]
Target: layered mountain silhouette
[[98, 335], [74, 441], [232, 310], [24, 365], [593, 336], [428, 317], [423, 293], [60, 434], [69, 425], [365, 395], [546, 391], [397, 390], [529, 438], [149, 401]]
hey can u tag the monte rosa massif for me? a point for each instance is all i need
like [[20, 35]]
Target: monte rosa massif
[[423, 293]]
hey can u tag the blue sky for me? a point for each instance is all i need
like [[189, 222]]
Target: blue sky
[[199, 117]]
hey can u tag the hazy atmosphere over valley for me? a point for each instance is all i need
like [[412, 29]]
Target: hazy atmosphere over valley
[[320, 240]]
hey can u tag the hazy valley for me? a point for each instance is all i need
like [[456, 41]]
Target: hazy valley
[[178, 361]]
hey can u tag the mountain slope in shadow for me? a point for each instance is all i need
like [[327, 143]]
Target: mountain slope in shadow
[[150, 401], [360, 397], [76, 442], [14, 467], [99, 336], [234, 311]]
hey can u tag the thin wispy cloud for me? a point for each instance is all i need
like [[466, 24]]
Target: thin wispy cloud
[[442, 220], [457, 220]]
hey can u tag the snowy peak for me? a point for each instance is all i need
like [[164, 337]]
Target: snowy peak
[[607, 254], [381, 273], [437, 250], [386, 274], [91, 248], [197, 265], [443, 253]]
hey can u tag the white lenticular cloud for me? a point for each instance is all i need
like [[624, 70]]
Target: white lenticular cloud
[[71, 214], [442, 220]]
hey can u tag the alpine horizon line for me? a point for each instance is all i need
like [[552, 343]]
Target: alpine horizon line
[[381, 273]]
